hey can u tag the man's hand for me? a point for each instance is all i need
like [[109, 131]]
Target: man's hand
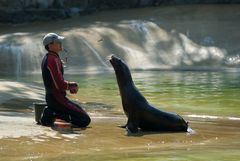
[[73, 87]]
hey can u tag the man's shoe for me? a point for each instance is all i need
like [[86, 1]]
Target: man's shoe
[[48, 117]]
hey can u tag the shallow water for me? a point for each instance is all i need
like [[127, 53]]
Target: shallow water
[[208, 100], [211, 93]]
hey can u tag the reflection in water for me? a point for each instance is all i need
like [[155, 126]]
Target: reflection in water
[[208, 100]]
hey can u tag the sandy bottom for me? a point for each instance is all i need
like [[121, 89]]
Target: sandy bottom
[[22, 139]]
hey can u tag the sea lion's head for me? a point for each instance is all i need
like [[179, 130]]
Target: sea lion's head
[[121, 70]]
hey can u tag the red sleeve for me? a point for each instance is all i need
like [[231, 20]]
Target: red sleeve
[[54, 66]]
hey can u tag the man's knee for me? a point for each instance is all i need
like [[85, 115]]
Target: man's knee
[[81, 121]]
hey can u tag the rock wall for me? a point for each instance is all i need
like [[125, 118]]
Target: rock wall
[[18, 11]]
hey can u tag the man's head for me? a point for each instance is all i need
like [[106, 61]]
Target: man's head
[[53, 42]]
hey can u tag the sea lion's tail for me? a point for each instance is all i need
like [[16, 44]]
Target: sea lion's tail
[[185, 125]]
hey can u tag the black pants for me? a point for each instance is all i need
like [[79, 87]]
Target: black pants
[[64, 108]]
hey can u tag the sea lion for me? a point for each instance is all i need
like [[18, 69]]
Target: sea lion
[[139, 112]]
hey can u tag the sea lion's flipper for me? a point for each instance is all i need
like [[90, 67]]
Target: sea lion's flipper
[[132, 124], [122, 126], [131, 129]]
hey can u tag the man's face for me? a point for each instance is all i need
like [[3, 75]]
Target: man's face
[[55, 46]]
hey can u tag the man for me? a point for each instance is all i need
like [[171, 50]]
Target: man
[[59, 106]]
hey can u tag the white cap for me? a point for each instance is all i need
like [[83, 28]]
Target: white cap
[[50, 37]]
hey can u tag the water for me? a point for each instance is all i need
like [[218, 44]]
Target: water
[[212, 93], [208, 100]]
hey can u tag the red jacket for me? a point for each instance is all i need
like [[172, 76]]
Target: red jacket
[[52, 73]]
